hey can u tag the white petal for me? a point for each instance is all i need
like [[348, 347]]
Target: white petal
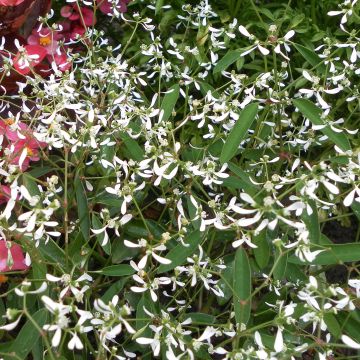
[[350, 342], [10, 326], [263, 50], [56, 338], [279, 341], [142, 262], [160, 259], [243, 31], [144, 341], [349, 198], [289, 35]]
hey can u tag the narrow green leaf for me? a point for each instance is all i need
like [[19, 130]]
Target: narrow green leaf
[[52, 252], [117, 270], [226, 281], [201, 318], [30, 185], [334, 254], [262, 252], [134, 151], [179, 253], [355, 206], [28, 335], [333, 325], [82, 208], [238, 132], [114, 289], [312, 223], [280, 268], [169, 101], [159, 4], [40, 171], [313, 113], [311, 57], [229, 58], [242, 287], [205, 87], [244, 179], [350, 323]]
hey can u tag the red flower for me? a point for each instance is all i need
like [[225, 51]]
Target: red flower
[[106, 7], [11, 2], [5, 192], [11, 257], [76, 13], [28, 57], [17, 141], [45, 38]]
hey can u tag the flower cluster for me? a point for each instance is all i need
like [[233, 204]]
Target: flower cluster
[[182, 181]]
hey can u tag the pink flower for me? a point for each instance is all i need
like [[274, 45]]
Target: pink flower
[[18, 141], [4, 194], [8, 132], [45, 38], [76, 13], [62, 61], [11, 258], [11, 2], [106, 7], [32, 146], [48, 40], [30, 57]]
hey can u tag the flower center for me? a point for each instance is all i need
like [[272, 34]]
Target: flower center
[[29, 151], [44, 41], [8, 122]]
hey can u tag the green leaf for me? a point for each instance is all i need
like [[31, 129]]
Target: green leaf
[[333, 325], [31, 185], [52, 252], [238, 132], [242, 287], [313, 113], [28, 335], [280, 268], [350, 322], [226, 281], [312, 223], [262, 252], [159, 4], [134, 150], [311, 57], [110, 200], [333, 254], [244, 179], [201, 318], [117, 270], [230, 57], [40, 171], [82, 208], [114, 289], [205, 87], [179, 253], [169, 101], [355, 206]]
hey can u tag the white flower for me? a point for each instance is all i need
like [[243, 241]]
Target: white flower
[[150, 251], [262, 49]]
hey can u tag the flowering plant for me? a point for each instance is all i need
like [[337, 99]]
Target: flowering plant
[[181, 181]]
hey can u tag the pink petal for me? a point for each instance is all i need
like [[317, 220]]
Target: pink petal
[[17, 255]]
